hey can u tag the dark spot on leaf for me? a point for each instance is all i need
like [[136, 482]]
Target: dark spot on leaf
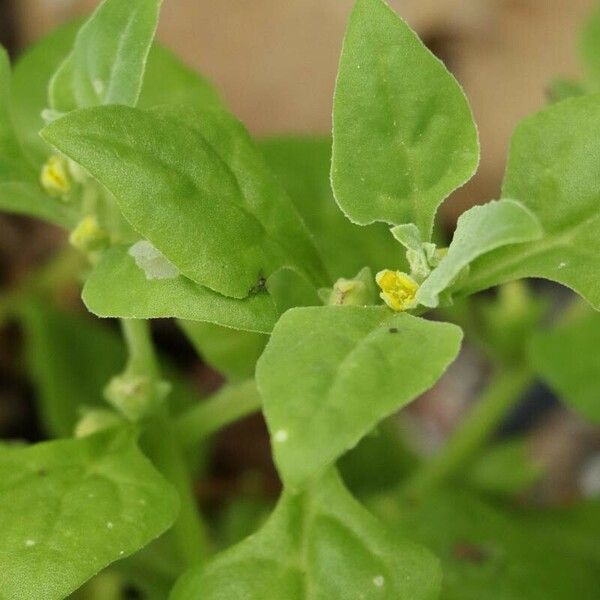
[[260, 285], [470, 552], [42, 472], [393, 330]]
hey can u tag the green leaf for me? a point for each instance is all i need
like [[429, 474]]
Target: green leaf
[[20, 191], [489, 554], [330, 374], [553, 170], [506, 468], [108, 59], [567, 359], [11, 157], [479, 230], [227, 226], [31, 76], [231, 352], [117, 287], [69, 508], [320, 545], [302, 165], [589, 46], [166, 80], [403, 133], [70, 360]]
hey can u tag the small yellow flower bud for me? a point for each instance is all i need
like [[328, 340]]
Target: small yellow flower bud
[[55, 177], [398, 290], [88, 236], [358, 291]]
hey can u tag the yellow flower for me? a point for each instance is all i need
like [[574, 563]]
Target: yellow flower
[[88, 236], [398, 290], [55, 178]]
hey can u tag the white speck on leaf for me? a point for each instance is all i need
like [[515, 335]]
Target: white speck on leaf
[[152, 261], [109, 524], [281, 436], [378, 581], [98, 86], [562, 265], [29, 543]]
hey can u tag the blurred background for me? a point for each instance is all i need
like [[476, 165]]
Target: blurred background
[[274, 61]]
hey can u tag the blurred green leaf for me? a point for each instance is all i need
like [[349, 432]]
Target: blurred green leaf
[[589, 46], [231, 352], [302, 164], [70, 359], [567, 359], [492, 554], [506, 468]]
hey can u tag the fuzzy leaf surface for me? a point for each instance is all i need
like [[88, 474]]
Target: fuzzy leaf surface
[[319, 545], [199, 193], [71, 507], [329, 374], [117, 287], [554, 170], [106, 65], [403, 133], [479, 230]]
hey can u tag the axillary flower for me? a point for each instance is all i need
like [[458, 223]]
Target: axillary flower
[[88, 236], [55, 177], [398, 290]]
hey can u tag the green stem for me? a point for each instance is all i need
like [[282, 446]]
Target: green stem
[[230, 404], [188, 532], [141, 356], [504, 390]]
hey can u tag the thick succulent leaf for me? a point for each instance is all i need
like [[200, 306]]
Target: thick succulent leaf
[[553, 169], [302, 165], [213, 211], [479, 230], [567, 359], [69, 508], [70, 360], [488, 554], [117, 287], [403, 133], [231, 352], [589, 46], [319, 545], [108, 59], [330, 374]]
